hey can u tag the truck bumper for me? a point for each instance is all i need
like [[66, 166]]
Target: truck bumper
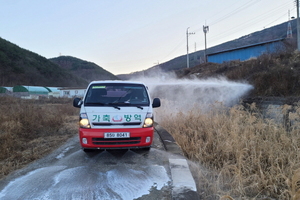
[[94, 138]]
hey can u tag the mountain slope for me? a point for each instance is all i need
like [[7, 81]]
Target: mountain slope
[[22, 67], [87, 70]]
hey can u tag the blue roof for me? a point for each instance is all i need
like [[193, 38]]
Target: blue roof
[[246, 46]]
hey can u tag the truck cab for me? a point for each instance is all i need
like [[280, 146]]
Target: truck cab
[[116, 115]]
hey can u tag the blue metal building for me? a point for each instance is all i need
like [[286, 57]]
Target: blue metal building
[[245, 52]]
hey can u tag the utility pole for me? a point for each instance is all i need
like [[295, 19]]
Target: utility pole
[[205, 30], [187, 47], [289, 33], [298, 27]]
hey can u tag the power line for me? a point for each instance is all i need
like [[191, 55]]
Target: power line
[[180, 44], [230, 14], [253, 21], [237, 10], [247, 24]]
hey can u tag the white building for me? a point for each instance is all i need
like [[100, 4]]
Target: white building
[[72, 92]]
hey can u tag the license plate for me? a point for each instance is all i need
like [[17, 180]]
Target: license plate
[[117, 135]]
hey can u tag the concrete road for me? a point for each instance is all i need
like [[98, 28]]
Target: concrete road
[[69, 173]]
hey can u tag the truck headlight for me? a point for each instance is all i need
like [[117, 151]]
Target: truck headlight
[[148, 121], [84, 121]]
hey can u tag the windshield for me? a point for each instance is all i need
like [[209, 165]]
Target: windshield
[[116, 94]]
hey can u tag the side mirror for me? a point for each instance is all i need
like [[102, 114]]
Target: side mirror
[[156, 103], [77, 102]]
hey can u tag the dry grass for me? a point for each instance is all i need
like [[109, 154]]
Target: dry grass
[[30, 129], [246, 156]]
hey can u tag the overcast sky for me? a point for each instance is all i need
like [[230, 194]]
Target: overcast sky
[[124, 36]]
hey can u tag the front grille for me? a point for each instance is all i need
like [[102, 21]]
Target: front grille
[[116, 141]]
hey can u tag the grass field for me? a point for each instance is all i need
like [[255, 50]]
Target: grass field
[[30, 129], [243, 154]]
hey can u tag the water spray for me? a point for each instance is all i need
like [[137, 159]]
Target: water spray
[[182, 95]]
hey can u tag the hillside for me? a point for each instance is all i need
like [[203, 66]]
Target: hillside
[[272, 75], [267, 34], [22, 67], [19, 66], [87, 70]]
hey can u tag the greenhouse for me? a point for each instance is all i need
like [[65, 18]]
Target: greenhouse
[[52, 89], [53, 92], [5, 89], [35, 90]]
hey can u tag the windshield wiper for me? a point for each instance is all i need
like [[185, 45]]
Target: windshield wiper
[[116, 107], [140, 107], [117, 104]]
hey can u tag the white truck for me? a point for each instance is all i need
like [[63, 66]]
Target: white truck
[[116, 115]]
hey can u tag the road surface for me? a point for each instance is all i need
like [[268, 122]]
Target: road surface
[[69, 173]]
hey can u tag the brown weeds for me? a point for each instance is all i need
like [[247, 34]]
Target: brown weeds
[[29, 129], [249, 155]]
